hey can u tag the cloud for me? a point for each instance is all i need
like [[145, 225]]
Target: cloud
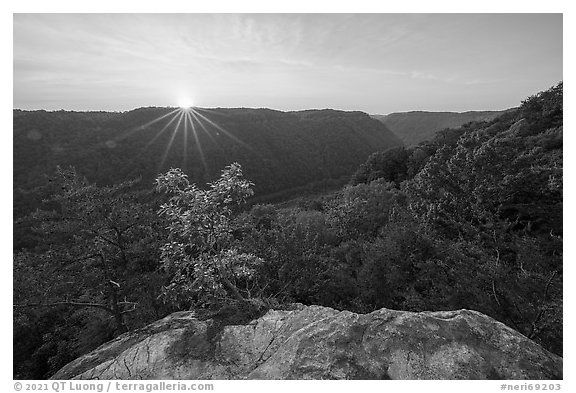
[[378, 58]]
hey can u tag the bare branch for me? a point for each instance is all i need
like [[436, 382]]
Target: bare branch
[[128, 303], [534, 329], [495, 296], [114, 283], [548, 284]]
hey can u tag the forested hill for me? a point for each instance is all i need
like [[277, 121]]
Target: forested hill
[[493, 190], [417, 126], [277, 150], [469, 220]]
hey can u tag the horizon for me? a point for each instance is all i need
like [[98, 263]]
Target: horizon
[[253, 108], [372, 63]]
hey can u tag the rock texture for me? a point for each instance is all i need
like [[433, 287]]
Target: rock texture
[[321, 343]]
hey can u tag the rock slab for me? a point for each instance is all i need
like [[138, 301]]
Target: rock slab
[[313, 342]]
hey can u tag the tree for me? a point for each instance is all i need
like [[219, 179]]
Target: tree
[[499, 190], [545, 109], [197, 256], [364, 209], [94, 241], [390, 165]]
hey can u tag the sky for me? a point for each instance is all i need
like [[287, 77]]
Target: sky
[[376, 63]]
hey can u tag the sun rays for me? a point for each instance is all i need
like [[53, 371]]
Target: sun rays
[[184, 125]]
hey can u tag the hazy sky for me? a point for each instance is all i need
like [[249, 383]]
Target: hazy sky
[[377, 63]]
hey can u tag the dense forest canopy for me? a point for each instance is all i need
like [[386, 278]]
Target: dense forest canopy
[[277, 150], [470, 219]]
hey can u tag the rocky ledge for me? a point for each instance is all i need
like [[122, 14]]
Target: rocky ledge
[[313, 342]]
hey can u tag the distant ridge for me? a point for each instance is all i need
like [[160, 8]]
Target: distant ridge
[[278, 150], [418, 126]]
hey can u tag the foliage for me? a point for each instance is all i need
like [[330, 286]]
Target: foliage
[[477, 224], [95, 266], [500, 189], [545, 109], [197, 255], [390, 165], [364, 208], [471, 219], [278, 151]]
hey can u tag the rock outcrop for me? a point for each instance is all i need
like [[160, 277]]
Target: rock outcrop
[[313, 342]]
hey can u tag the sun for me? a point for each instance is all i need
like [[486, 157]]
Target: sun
[[187, 120], [185, 103]]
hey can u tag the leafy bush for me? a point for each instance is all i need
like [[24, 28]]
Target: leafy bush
[[197, 257]]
